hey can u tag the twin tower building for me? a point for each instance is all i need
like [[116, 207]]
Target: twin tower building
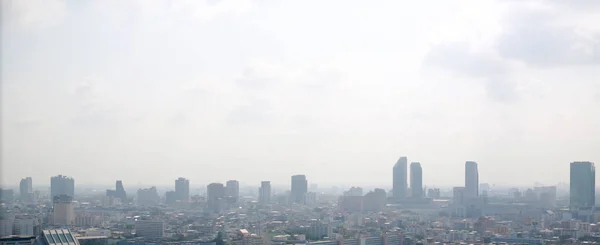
[[401, 188]]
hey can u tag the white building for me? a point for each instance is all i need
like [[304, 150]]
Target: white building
[[64, 212], [24, 227]]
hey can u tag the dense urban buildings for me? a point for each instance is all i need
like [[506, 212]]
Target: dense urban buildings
[[416, 180], [400, 179], [583, 185], [233, 214], [299, 189], [62, 185]]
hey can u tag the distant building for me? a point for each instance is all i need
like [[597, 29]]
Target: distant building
[[546, 195], [374, 201], [264, 193], [182, 189], [170, 197], [25, 226], [299, 189], [232, 191], [400, 179], [416, 180], [150, 229], [6, 195], [62, 185], [471, 190], [120, 191], [63, 212], [351, 204], [434, 193], [354, 191], [215, 197], [583, 185], [26, 190], [148, 197], [458, 196]]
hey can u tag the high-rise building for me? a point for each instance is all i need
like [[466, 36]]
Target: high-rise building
[[6, 195], [583, 185], [120, 191], [63, 213], [232, 191], [416, 180], [215, 197], [471, 180], [400, 184], [299, 189], [264, 193], [182, 189], [26, 190], [458, 195], [62, 185], [354, 191], [148, 196]]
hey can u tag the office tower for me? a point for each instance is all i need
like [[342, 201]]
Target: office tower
[[299, 189], [264, 193], [583, 185], [182, 189], [416, 180], [26, 190], [374, 201], [400, 184], [25, 226], [63, 213], [149, 229], [232, 191], [62, 185], [120, 191], [215, 197], [471, 180], [458, 196], [148, 196]]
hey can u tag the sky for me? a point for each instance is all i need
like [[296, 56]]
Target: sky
[[146, 91]]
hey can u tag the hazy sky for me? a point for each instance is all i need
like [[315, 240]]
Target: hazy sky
[[149, 90]]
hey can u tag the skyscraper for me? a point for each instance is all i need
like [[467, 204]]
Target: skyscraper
[[120, 191], [416, 180], [215, 196], [232, 191], [63, 213], [182, 189], [400, 184], [264, 193], [26, 190], [471, 180], [62, 185], [299, 189], [583, 185]]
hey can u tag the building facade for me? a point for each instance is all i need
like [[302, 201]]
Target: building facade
[[400, 179]]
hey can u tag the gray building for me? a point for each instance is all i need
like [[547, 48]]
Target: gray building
[[62, 185], [400, 179], [583, 185], [471, 180], [416, 180], [182, 189], [299, 189], [26, 190], [215, 197], [264, 193], [232, 191]]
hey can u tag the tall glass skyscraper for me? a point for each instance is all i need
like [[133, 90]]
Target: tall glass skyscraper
[[62, 185], [299, 189], [583, 185], [400, 184]]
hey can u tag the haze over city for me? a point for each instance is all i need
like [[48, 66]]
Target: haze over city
[[148, 91]]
